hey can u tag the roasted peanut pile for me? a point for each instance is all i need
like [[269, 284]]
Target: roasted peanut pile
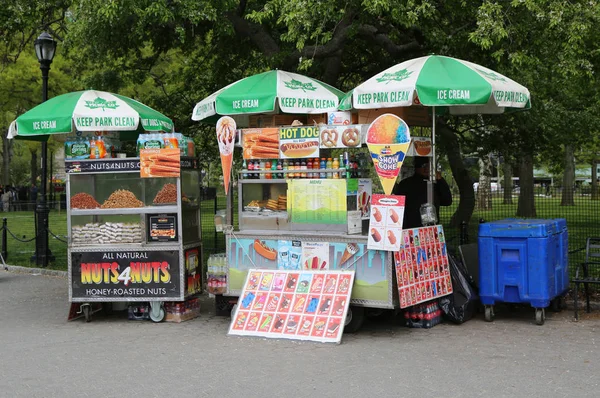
[[83, 201], [120, 199], [168, 194]]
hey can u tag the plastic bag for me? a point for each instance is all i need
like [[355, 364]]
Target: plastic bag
[[459, 306]]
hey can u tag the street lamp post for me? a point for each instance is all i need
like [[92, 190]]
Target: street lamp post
[[45, 46]]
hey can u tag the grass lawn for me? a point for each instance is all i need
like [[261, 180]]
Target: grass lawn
[[583, 220]]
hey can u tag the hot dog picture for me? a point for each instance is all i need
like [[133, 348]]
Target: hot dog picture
[[299, 149], [261, 248]]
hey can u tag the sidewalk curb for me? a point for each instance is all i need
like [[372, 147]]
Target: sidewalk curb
[[36, 271]]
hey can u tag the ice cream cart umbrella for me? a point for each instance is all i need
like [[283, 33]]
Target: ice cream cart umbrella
[[458, 86], [269, 92], [89, 110]]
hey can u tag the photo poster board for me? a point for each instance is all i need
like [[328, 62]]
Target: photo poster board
[[385, 224], [422, 268], [299, 305]]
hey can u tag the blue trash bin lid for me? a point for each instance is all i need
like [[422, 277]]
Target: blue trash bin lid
[[522, 228]]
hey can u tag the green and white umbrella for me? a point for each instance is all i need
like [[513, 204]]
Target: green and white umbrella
[[438, 81], [270, 92], [89, 110]]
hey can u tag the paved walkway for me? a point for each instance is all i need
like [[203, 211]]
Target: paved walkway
[[43, 355]]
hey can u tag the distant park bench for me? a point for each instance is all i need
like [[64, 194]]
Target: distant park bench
[[587, 273]]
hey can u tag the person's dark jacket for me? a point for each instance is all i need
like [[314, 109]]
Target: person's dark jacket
[[415, 190]]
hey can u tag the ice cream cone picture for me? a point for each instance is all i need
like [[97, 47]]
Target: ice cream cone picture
[[226, 130], [388, 139], [349, 252]]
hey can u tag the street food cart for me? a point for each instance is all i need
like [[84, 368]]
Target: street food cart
[[132, 239]]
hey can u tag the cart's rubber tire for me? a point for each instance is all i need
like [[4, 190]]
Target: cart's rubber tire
[[354, 319], [489, 313], [540, 316], [156, 318], [87, 312]]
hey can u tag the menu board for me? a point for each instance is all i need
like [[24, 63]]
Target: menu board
[[317, 201], [385, 225], [162, 227], [422, 268], [301, 305]]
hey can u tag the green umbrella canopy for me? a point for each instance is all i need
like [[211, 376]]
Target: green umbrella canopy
[[458, 86], [89, 110], [269, 92]]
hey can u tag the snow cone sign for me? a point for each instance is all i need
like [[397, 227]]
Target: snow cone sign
[[388, 139]]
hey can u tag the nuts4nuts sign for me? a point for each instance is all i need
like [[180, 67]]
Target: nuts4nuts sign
[[125, 275]]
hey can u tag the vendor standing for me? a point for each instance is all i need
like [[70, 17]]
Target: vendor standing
[[415, 190]]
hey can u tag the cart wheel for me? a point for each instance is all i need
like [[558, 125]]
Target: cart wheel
[[540, 316], [562, 302], [157, 312], [87, 312], [489, 313], [354, 319]]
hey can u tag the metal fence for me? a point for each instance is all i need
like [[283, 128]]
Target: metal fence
[[583, 217]]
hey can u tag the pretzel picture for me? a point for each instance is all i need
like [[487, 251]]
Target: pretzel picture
[[351, 137], [160, 162], [329, 138], [260, 143]]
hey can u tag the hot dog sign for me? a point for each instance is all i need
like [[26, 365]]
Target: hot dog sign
[[385, 225], [299, 142]]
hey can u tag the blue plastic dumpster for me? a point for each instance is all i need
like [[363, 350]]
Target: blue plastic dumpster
[[523, 261]]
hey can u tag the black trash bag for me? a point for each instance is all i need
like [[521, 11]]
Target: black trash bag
[[459, 306]]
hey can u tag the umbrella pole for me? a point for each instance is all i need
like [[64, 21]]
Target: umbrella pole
[[434, 168]]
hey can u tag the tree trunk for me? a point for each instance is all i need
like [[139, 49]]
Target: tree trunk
[[568, 178], [461, 175], [526, 206], [34, 167], [595, 195], [6, 156], [507, 170], [484, 189]]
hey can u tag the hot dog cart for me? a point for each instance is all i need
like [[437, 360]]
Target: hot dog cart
[[310, 212], [132, 239]]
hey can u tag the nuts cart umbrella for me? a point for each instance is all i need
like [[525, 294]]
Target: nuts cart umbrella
[[459, 86], [267, 92], [89, 110]]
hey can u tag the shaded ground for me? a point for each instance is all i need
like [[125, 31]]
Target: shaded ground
[[43, 355]]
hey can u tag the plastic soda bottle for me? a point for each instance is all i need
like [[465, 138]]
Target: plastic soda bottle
[[322, 166], [329, 166], [335, 165], [268, 176]]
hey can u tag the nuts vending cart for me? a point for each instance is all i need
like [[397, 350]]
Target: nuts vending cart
[[132, 239]]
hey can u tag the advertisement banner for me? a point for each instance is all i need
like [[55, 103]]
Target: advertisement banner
[[141, 274], [340, 136], [315, 255], [388, 139], [260, 143], [385, 225], [162, 162], [193, 271], [420, 146], [226, 131], [365, 190], [299, 142], [301, 305], [422, 269], [317, 201], [373, 276]]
